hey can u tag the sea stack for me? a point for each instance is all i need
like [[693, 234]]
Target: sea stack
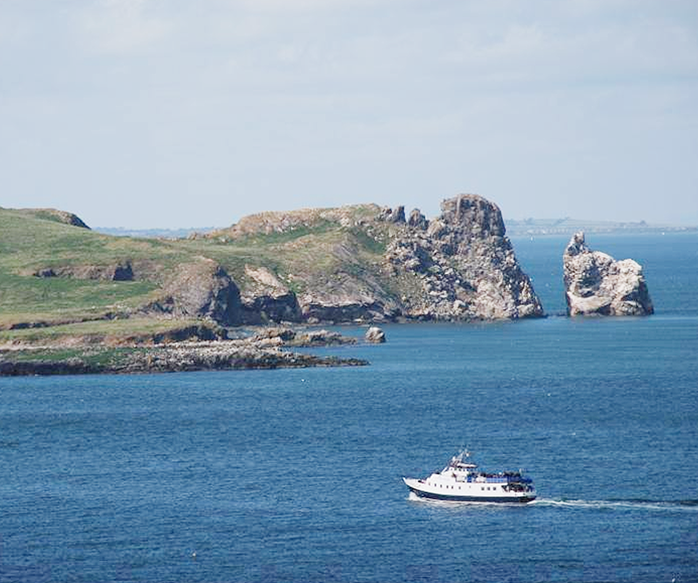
[[462, 265], [597, 284], [375, 335]]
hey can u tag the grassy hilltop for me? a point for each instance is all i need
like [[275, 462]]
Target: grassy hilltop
[[34, 241], [56, 275]]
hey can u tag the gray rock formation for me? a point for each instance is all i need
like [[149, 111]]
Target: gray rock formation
[[595, 283], [266, 299], [284, 336], [202, 289], [116, 272], [178, 357], [418, 220], [375, 335], [462, 267], [396, 215], [324, 306]]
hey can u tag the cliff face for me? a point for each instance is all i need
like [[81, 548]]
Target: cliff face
[[367, 263], [266, 299], [201, 289], [462, 265], [595, 283]]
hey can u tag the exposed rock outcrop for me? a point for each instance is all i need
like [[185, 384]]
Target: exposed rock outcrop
[[462, 266], [122, 271], [202, 289], [167, 353], [227, 355], [375, 335], [284, 336], [347, 305], [55, 215], [396, 215], [595, 283], [284, 222], [266, 299], [418, 220]]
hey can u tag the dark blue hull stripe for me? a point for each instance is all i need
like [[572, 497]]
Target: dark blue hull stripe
[[435, 496]]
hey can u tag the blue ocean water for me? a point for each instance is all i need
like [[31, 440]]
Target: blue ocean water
[[295, 475]]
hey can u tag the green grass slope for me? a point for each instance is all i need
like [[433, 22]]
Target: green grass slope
[[322, 247], [308, 250], [30, 242]]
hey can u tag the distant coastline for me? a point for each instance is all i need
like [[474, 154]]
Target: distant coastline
[[182, 233], [515, 228], [569, 226]]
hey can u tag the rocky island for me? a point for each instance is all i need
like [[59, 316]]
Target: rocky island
[[371, 264], [68, 291], [597, 284]]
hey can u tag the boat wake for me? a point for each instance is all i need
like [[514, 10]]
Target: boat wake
[[620, 504], [613, 504]]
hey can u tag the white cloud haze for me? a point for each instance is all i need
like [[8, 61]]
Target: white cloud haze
[[157, 113]]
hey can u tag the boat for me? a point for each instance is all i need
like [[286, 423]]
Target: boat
[[461, 481]]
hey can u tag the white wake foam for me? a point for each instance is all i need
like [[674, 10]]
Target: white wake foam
[[648, 505], [678, 505]]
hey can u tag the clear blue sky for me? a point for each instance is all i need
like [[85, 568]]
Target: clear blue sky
[[173, 113]]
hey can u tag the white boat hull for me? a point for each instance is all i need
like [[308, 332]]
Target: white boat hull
[[467, 491]]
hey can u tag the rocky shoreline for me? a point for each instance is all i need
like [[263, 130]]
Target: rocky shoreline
[[264, 350]]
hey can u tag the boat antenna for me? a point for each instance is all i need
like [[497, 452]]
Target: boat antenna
[[463, 452]]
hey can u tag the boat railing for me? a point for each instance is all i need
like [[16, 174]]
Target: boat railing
[[503, 479]]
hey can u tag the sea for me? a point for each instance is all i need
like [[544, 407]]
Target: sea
[[296, 475]]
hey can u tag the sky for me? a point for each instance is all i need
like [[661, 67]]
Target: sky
[[172, 113]]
